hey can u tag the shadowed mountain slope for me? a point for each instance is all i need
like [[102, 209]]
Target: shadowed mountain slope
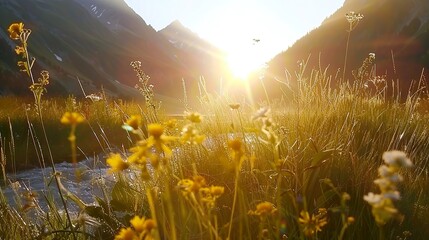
[[94, 40], [396, 31]]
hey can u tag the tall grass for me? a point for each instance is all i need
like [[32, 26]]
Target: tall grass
[[321, 133]]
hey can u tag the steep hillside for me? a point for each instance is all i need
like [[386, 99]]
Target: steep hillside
[[396, 31], [94, 40]]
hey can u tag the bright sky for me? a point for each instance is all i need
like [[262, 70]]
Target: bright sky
[[232, 25]]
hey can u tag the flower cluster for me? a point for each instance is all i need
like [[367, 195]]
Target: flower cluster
[[312, 225], [382, 205], [18, 32], [21, 34], [153, 149], [197, 191], [144, 88], [190, 133], [142, 229], [353, 19]]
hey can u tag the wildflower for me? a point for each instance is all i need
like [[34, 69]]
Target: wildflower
[[156, 130], [23, 65], [116, 163], [190, 134], [142, 229], [171, 123], [185, 186], [193, 117], [133, 123], [353, 17], [126, 234], [149, 224], [264, 209], [382, 205], [197, 189], [397, 159], [192, 186], [72, 118], [313, 224], [158, 139], [20, 50], [237, 148], [217, 190], [15, 30], [138, 223], [139, 153]]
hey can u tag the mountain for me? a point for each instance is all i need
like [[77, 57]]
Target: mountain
[[396, 31], [94, 40], [203, 55]]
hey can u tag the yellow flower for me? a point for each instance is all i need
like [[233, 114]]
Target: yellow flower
[[133, 123], [72, 118], [312, 224], [263, 209], [138, 223], [158, 139], [171, 123], [185, 186], [139, 153], [116, 163], [237, 150], [191, 135], [149, 224], [193, 117], [23, 66], [199, 182], [20, 50], [217, 190], [15, 30], [156, 130], [126, 234]]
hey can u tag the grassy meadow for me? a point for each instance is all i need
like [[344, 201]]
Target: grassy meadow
[[319, 162]]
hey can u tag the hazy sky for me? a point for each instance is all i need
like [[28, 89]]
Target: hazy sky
[[233, 24]]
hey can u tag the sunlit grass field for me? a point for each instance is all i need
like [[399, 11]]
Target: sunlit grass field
[[298, 168], [318, 162]]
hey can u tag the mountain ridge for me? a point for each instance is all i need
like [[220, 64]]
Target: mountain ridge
[[396, 31], [96, 41]]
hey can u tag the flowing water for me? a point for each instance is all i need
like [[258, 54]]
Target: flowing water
[[41, 182]]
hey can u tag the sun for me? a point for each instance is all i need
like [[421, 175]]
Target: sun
[[242, 34], [243, 64]]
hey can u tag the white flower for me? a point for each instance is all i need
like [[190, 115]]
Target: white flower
[[373, 199], [397, 159], [394, 195], [261, 113]]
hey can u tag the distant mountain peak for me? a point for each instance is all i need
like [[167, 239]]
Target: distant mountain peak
[[176, 23]]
